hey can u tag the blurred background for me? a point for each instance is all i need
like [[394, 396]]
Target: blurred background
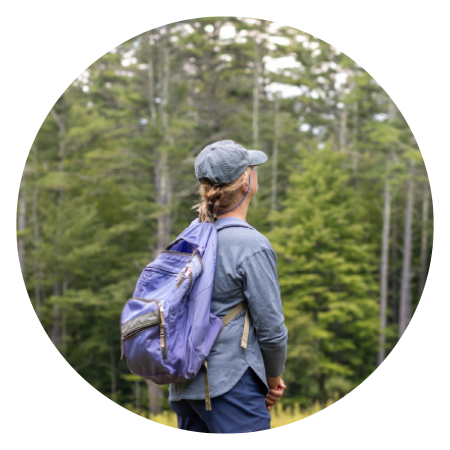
[[344, 198]]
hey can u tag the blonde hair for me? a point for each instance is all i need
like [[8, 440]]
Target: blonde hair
[[217, 198]]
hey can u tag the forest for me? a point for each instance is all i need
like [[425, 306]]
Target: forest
[[344, 198]]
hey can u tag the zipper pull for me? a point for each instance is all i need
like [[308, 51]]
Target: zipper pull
[[161, 330], [185, 272], [180, 274]]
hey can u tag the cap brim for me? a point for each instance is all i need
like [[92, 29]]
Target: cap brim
[[257, 157]]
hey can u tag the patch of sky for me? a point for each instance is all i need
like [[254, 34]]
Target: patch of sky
[[225, 57], [282, 90], [280, 40], [128, 61], [317, 131], [381, 117], [305, 127], [227, 31], [328, 116], [84, 77], [124, 73], [340, 79], [301, 38], [285, 62], [249, 20], [311, 45]]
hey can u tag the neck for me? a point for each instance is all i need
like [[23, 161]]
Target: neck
[[240, 212]]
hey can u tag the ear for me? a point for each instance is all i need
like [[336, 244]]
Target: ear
[[244, 183]]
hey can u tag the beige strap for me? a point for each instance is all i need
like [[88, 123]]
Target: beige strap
[[244, 339], [207, 395], [232, 314], [226, 319]]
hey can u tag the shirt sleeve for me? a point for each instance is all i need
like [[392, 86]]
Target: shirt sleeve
[[262, 291]]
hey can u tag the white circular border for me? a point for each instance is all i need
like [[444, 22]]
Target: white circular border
[[47, 44]]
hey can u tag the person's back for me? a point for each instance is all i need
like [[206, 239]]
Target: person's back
[[237, 375]]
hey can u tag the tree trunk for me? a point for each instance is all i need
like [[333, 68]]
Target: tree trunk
[[21, 227], [162, 179], [405, 292], [137, 394], [36, 241], [384, 269], [155, 395], [256, 92], [64, 322], [394, 271], [148, 43], [343, 129], [256, 89], [56, 320], [162, 175], [57, 288], [273, 197], [424, 240], [112, 360]]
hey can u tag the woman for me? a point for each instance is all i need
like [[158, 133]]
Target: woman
[[244, 383]]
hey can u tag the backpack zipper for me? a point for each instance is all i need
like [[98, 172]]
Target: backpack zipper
[[188, 271], [195, 253], [162, 335], [137, 330], [185, 272]]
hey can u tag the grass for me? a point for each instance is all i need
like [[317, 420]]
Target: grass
[[280, 416]]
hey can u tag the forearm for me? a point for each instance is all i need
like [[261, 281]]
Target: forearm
[[274, 356]]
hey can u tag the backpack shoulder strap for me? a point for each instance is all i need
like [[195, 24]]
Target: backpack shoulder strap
[[226, 319]]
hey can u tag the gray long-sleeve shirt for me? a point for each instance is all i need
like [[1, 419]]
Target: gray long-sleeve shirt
[[246, 269]]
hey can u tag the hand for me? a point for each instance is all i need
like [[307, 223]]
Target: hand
[[275, 394]]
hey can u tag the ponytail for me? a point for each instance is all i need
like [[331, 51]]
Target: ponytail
[[216, 198]]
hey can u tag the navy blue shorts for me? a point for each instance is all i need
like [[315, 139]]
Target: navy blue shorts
[[240, 410]]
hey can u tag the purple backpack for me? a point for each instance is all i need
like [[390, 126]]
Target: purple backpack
[[167, 327]]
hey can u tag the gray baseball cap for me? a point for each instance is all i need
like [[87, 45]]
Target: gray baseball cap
[[225, 161]]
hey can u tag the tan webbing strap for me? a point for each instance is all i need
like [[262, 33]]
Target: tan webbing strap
[[226, 319], [244, 339], [232, 314], [207, 396]]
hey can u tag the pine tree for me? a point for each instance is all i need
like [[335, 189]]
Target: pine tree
[[326, 268]]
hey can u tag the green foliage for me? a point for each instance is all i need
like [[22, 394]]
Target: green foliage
[[327, 278], [110, 181]]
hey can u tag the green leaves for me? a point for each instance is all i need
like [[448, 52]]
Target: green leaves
[[111, 177], [324, 271]]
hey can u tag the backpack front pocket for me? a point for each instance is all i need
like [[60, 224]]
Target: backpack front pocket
[[143, 331]]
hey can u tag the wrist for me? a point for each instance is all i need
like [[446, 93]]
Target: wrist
[[273, 382]]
